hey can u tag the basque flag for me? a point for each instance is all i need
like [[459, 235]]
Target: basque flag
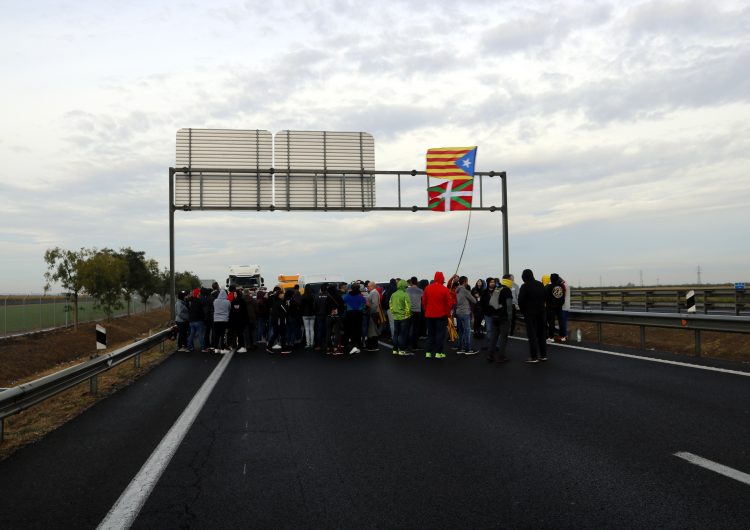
[[451, 162], [451, 196]]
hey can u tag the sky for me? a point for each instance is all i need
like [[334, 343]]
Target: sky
[[624, 129]]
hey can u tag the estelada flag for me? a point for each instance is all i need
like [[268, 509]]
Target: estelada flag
[[451, 162], [451, 195]]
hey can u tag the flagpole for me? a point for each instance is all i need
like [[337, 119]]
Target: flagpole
[[506, 258]]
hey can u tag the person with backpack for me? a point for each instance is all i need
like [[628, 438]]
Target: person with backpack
[[374, 313], [501, 303], [334, 323], [476, 309]]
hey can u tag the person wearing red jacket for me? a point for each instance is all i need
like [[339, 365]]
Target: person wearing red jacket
[[437, 304]]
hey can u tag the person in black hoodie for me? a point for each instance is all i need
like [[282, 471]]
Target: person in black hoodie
[[554, 298], [321, 342], [278, 322], [531, 302], [334, 322], [237, 320]]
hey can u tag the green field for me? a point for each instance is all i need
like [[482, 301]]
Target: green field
[[20, 314]]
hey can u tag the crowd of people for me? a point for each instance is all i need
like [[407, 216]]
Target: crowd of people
[[417, 315]]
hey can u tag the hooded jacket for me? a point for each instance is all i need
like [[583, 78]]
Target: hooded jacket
[[464, 300], [221, 307], [554, 293], [400, 304], [531, 295], [436, 299]]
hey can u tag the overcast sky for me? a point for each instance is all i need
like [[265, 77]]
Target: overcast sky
[[624, 128]]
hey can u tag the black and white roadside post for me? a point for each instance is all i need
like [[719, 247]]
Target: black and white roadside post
[[690, 305], [101, 344]]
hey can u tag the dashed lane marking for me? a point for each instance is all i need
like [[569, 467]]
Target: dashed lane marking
[[128, 506], [715, 467]]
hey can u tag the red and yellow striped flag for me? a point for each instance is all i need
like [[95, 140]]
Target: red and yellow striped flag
[[451, 163]]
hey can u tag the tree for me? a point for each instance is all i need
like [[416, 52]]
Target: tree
[[186, 281], [136, 274], [149, 284], [101, 277], [64, 267]]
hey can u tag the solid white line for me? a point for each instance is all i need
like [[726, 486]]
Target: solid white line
[[651, 359], [126, 509], [715, 467]]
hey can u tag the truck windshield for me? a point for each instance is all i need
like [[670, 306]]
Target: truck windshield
[[244, 281]]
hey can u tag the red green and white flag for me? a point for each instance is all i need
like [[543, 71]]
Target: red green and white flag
[[450, 196]]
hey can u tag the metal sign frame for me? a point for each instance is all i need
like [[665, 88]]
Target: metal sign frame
[[319, 177]]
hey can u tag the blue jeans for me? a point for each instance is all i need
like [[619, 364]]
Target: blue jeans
[[464, 332], [401, 334], [197, 329], [436, 331]]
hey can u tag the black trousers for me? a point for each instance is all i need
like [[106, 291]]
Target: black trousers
[[416, 329], [537, 333], [219, 339], [353, 328], [552, 314]]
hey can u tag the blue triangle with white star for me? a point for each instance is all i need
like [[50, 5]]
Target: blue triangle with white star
[[466, 162]]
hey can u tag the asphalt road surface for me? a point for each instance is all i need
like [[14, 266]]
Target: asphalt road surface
[[376, 441]]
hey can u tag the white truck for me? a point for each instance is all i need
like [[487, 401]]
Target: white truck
[[245, 277]]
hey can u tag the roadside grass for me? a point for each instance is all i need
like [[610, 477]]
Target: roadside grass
[[34, 423], [725, 346]]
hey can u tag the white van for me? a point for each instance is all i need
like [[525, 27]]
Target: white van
[[316, 281]]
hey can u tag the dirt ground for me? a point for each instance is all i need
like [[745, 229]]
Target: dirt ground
[[25, 358], [725, 346]]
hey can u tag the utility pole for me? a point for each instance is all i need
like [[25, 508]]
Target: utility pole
[[641, 273], [699, 274]]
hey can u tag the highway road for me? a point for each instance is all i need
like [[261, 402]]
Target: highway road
[[375, 441]]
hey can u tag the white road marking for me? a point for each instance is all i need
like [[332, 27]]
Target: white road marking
[[715, 467], [651, 359], [126, 509]]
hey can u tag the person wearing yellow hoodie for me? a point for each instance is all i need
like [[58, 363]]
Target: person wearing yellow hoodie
[[400, 307]]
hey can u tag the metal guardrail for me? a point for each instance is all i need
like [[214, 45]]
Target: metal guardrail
[[689, 321], [716, 299], [18, 398]]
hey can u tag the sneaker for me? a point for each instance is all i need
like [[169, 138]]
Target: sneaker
[[242, 350], [276, 347], [439, 356], [286, 351], [563, 339], [542, 358], [531, 361], [269, 350], [395, 352], [470, 352], [550, 341], [354, 350], [224, 352], [460, 352], [427, 355], [406, 353]]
